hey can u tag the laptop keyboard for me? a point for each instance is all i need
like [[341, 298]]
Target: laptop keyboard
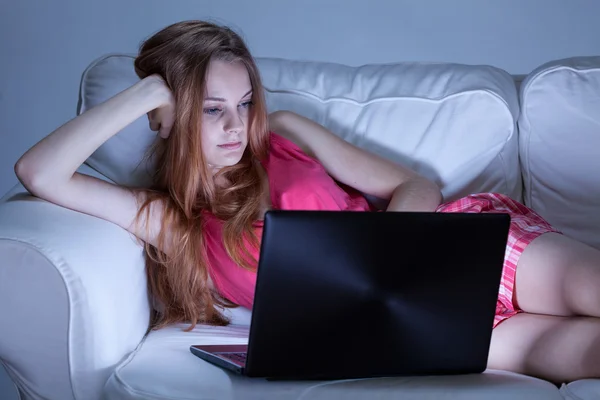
[[238, 358]]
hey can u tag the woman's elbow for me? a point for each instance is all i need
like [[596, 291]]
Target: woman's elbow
[[29, 175], [23, 171], [416, 194], [432, 189]]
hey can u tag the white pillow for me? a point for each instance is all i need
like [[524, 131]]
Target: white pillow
[[559, 145], [454, 123], [120, 157]]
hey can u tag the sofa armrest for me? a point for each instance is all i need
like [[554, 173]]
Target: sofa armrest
[[73, 295]]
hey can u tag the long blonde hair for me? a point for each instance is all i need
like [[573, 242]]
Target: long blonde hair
[[181, 53]]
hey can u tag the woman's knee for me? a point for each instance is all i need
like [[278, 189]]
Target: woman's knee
[[558, 349]]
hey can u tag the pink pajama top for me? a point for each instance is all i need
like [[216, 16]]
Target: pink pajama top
[[297, 182]]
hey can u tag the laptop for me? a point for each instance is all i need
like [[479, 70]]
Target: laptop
[[344, 294]]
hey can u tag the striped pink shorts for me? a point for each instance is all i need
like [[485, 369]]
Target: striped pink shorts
[[525, 226]]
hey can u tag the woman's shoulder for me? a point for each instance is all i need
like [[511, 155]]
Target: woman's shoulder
[[287, 126], [279, 139], [281, 145]]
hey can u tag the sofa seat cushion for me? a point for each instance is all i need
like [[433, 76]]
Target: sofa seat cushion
[[455, 124], [584, 389], [164, 368], [559, 134]]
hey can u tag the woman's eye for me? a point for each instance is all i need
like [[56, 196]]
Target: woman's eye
[[246, 104], [212, 111]]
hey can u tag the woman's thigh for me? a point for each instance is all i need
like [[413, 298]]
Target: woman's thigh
[[559, 276]]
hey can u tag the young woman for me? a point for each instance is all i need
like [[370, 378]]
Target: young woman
[[222, 163]]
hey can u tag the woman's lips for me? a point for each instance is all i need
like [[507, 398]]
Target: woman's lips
[[230, 146]]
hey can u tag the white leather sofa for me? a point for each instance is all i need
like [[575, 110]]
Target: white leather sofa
[[74, 289]]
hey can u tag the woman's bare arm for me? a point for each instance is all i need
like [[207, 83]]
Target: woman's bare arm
[[365, 171], [48, 169]]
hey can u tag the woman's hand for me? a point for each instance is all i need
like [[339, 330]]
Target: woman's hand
[[162, 118]]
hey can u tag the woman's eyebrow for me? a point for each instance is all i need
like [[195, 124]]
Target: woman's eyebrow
[[221, 99]]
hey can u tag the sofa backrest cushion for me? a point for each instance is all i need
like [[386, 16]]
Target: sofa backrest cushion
[[456, 124], [559, 145]]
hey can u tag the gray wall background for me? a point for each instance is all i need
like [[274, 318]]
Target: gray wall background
[[46, 45]]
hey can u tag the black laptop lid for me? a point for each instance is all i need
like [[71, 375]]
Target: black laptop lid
[[360, 294]]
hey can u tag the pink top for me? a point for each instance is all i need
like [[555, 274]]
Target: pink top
[[297, 182]]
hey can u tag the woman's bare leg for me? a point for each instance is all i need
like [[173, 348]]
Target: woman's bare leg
[[557, 275], [557, 349], [558, 336]]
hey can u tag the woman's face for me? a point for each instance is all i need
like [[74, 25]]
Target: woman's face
[[226, 113]]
